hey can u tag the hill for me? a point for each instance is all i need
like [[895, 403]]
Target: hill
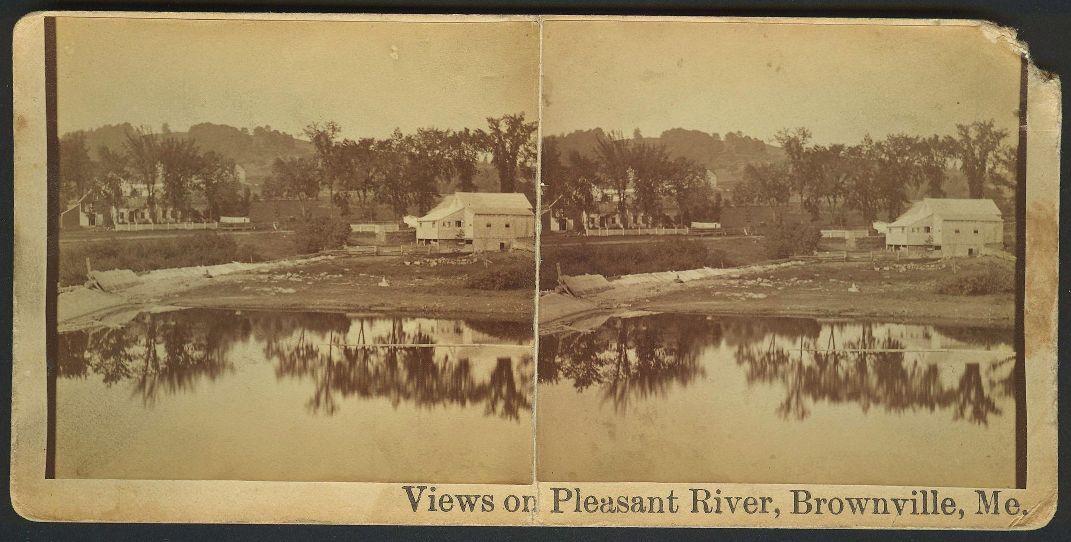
[[253, 150], [725, 156]]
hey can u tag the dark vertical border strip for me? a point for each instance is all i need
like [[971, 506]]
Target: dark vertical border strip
[[1020, 283], [52, 249]]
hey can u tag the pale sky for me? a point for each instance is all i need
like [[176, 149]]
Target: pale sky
[[369, 76], [840, 81]]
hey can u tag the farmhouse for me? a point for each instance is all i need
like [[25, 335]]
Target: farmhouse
[[484, 220], [958, 227]]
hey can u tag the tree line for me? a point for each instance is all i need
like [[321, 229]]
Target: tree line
[[405, 170], [168, 171], [878, 176], [639, 175]]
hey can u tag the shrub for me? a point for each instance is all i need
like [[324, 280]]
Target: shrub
[[513, 276], [991, 279], [673, 254], [321, 233], [787, 240]]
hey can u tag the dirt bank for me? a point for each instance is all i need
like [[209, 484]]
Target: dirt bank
[[428, 286], [413, 285], [894, 292]]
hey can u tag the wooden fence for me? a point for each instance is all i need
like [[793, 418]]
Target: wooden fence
[[873, 256], [167, 226], [611, 232], [401, 250]]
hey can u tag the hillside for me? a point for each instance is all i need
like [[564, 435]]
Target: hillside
[[725, 156], [253, 150]]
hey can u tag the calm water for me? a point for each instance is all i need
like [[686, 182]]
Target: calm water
[[721, 399], [208, 394]]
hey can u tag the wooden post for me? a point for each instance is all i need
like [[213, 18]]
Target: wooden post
[[89, 268]]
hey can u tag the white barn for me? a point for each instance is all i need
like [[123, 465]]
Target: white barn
[[958, 227], [487, 221]]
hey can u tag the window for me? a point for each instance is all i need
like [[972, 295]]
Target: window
[[976, 232], [926, 229], [457, 223], [488, 224], [507, 225], [957, 230]]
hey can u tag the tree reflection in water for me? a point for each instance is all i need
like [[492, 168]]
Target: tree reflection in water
[[374, 367], [640, 357], [879, 378], [159, 353], [171, 352], [628, 357]]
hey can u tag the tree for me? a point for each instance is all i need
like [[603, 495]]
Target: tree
[[651, 166], [976, 147], [861, 190], [510, 140], [218, 182], [612, 152], [794, 143], [766, 184], [76, 168], [933, 154], [389, 166], [463, 151], [180, 162], [567, 188], [330, 165], [112, 171], [427, 162], [831, 169], [143, 155], [294, 177], [687, 182]]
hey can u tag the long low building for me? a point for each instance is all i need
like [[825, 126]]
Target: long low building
[[958, 227], [487, 221]]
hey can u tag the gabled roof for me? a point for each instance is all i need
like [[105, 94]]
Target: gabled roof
[[980, 210], [491, 200], [481, 203]]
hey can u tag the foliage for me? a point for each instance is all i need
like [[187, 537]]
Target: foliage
[[321, 233], [509, 140], [615, 260], [989, 279], [786, 240], [515, 275], [202, 248]]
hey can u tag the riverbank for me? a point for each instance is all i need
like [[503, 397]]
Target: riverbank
[[402, 285], [885, 291]]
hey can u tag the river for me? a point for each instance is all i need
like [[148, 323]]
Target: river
[[251, 395], [686, 398]]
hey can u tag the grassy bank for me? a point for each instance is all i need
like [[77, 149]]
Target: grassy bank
[[201, 248], [668, 254]]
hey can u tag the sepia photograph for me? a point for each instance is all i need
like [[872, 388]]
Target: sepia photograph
[[294, 250], [540, 270], [772, 257]]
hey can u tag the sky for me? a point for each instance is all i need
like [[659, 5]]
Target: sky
[[840, 81], [370, 77]]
